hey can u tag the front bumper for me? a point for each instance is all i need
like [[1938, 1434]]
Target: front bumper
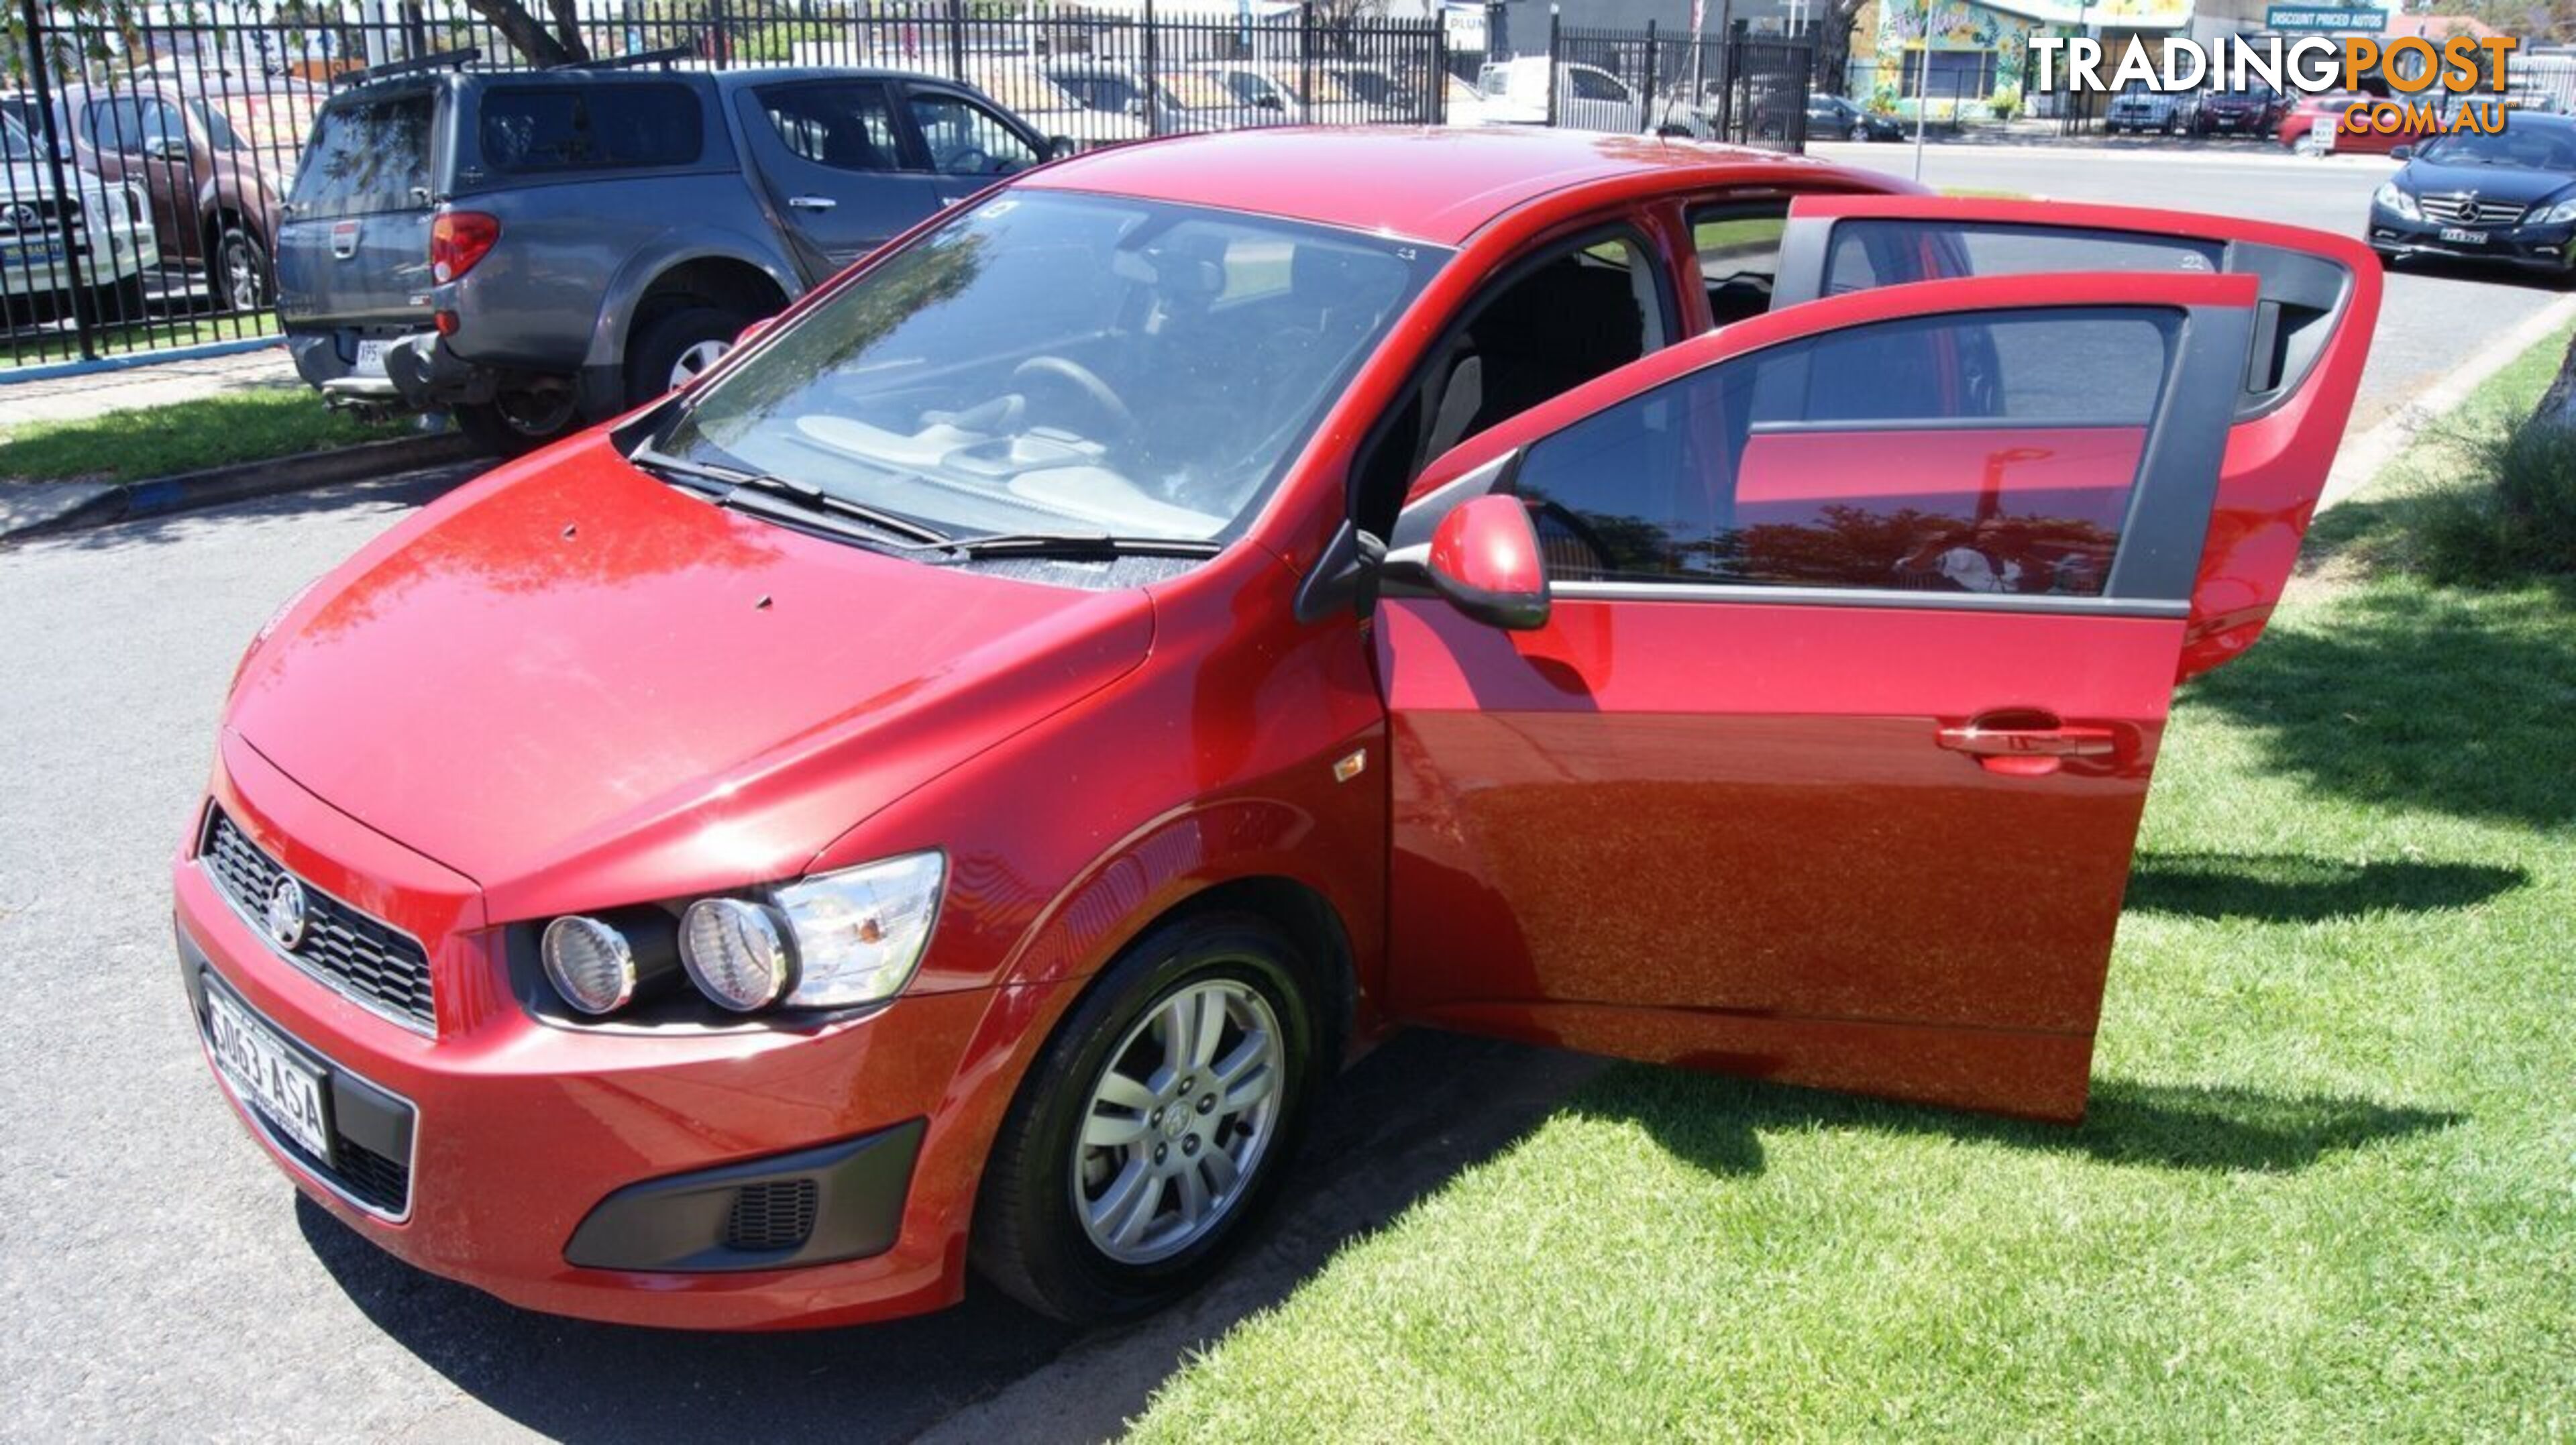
[[531, 1145], [2545, 248], [34, 265]]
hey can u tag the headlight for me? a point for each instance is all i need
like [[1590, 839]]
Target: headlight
[[833, 941], [599, 965], [736, 952], [2558, 214], [860, 932], [2389, 198]]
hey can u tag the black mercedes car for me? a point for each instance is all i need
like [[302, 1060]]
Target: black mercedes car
[[1831, 117], [2508, 197]]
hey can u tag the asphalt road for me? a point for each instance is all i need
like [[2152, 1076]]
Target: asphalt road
[[2434, 316], [162, 1280]]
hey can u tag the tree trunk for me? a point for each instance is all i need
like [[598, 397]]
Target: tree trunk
[[1833, 46], [568, 29], [526, 34], [2558, 404]]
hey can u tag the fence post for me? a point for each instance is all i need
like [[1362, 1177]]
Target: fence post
[[47, 132], [1439, 70], [1153, 75], [1555, 51], [1646, 121], [1305, 56]]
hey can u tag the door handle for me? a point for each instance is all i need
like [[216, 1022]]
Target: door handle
[[812, 203], [2032, 750]]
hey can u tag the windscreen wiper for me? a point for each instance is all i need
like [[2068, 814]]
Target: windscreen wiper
[[1072, 544], [735, 481]]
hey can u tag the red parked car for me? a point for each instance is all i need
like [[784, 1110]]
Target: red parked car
[[949, 786]]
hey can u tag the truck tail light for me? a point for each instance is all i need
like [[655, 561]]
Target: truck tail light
[[458, 239]]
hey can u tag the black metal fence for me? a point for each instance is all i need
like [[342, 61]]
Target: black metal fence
[[150, 155], [1746, 89]]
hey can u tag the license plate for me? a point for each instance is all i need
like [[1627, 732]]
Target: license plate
[[266, 1072], [371, 358], [2460, 236]]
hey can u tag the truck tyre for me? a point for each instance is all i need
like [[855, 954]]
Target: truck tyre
[[518, 422], [1131, 1165], [677, 345]]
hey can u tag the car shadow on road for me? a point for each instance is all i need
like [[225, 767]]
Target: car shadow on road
[[1401, 1123]]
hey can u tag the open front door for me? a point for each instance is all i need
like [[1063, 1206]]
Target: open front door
[[2312, 326], [1826, 762]]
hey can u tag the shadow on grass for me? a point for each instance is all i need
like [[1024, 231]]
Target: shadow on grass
[[2417, 697], [2296, 888], [1718, 1124]]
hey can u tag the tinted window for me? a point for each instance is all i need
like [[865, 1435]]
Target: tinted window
[[965, 139], [1958, 454], [847, 127], [367, 158], [562, 128]]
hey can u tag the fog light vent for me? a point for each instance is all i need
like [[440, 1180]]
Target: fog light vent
[[772, 1216]]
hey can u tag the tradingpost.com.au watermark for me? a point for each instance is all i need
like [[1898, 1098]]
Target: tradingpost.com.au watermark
[[2419, 73]]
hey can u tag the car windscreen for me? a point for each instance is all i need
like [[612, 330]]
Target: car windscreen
[[367, 158], [1054, 362], [2526, 144]]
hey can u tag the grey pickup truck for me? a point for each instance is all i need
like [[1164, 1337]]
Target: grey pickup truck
[[531, 251]]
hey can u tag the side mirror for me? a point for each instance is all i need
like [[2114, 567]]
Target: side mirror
[[1484, 559], [1267, 101], [168, 148], [1061, 146], [2402, 153]]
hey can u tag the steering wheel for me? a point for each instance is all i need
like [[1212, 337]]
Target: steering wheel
[[1083, 380], [967, 161]]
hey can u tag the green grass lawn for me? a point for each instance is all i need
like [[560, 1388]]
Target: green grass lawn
[[182, 436], [2327, 1189]]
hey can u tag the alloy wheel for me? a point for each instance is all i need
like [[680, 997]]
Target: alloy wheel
[[696, 359], [1178, 1122]]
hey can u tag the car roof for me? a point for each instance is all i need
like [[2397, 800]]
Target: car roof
[[727, 81], [1428, 183]]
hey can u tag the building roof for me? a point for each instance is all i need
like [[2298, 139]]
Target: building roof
[[1428, 183]]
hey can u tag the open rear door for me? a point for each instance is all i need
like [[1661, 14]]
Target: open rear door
[[1826, 762], [2318, 303]]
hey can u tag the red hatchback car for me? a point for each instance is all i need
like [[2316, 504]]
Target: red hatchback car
[[951, 785]]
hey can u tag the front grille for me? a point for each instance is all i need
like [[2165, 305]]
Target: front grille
[[385, 970], [41, 213], [772, 1216], [2465, 210]]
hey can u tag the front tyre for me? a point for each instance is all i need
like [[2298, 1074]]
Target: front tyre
[[1157, 1123]]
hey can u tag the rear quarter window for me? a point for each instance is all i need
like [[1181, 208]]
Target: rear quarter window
[[366, 159], [533, 130]]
